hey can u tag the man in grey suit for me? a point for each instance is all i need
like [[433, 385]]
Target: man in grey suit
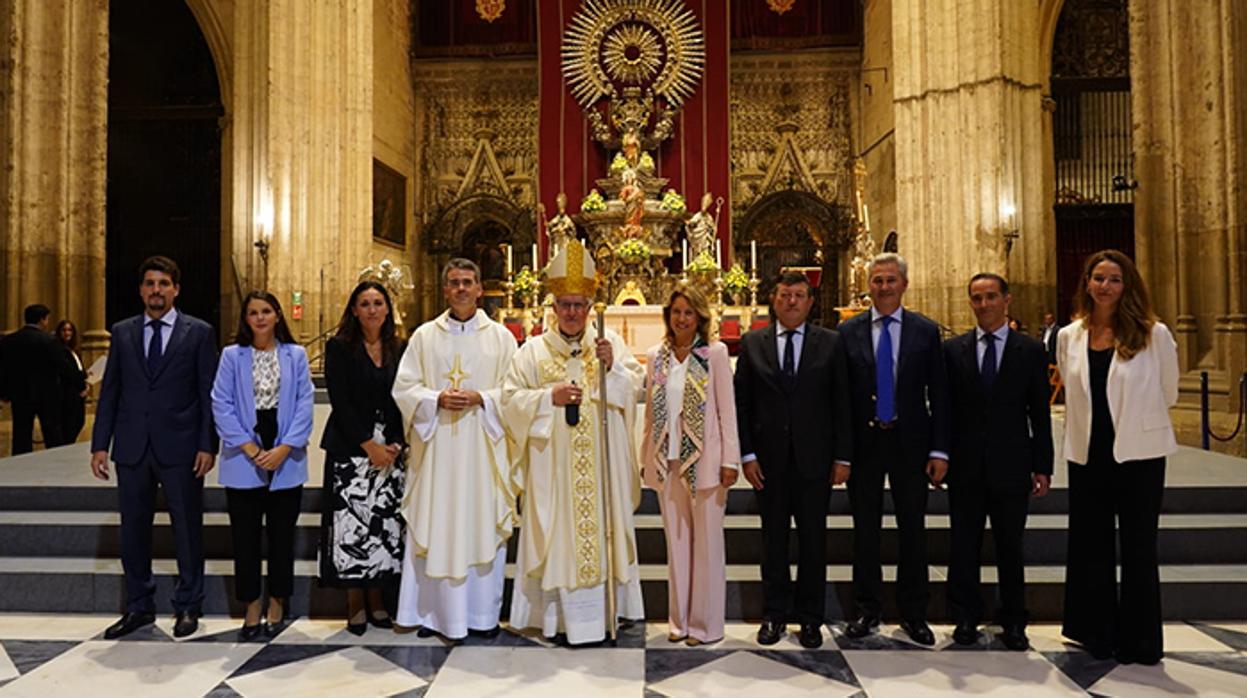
[[155, 409]]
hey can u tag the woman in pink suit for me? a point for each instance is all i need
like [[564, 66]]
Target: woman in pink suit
[[690, 455]]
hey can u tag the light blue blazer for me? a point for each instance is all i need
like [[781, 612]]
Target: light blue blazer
[[233, 409]]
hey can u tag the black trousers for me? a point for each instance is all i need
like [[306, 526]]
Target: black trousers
[[908, 482], [24, 413], [785, 496], [136, 488], [1129, 495], [972, 500], [252, 514], [73, 417]]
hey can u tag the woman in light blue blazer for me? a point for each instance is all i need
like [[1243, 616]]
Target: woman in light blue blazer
[[262, 405]]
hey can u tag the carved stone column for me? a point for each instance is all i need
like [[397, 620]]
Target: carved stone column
[[1189, 97], [301, 134], [969, 153], [53, 137]]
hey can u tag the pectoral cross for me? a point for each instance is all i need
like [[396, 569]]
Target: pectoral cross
[[456, 376]]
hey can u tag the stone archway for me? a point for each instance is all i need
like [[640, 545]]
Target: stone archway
[[164, 156], [475, 228], [795, 229]]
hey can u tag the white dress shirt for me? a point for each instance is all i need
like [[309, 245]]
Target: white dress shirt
[[675, 406], [876, 329], [980, 347], [166, 330], [798, 341]]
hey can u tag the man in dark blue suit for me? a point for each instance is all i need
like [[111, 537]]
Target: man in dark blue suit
[[1001, 456], [899, 398], [155, 408]]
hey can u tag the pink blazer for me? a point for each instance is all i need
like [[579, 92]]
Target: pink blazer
[[720, 444]]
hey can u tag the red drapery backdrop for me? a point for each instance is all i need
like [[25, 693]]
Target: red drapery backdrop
[[695, 159]]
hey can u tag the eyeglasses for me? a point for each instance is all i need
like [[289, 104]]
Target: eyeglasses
[[568, 306]]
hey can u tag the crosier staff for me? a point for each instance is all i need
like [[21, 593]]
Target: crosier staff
[[604, 474]]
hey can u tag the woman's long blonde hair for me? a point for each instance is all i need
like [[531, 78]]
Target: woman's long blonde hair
[[1134, 319]]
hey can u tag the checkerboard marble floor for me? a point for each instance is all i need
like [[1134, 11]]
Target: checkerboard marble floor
[[63, 655]]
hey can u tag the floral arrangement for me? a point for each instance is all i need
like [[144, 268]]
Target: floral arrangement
[[593, 203], [619, 164], [702, 263], [673, 202], [632, 250], [735, 281], [645, 163], [526, 282]]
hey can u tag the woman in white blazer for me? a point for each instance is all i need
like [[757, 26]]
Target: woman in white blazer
[[1120, 367]]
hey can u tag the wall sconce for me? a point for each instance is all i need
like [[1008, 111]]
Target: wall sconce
[[1011, 232], [1120, 183]]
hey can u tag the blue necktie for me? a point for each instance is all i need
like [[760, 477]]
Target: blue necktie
[[988, 370], [885, 410], [154, 347], [790, 362]]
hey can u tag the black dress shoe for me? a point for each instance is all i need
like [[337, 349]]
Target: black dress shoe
[[186, 624], [272, 629], [770, 632], [385, 623], [918, 631], [247, 633], [425, 632], [1014, 637], [128, 624], [811, 636], [487, 634], [966, 634], [861, 626]]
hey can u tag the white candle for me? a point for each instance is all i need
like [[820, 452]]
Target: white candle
[[509, 260], [753, 255], [536, 264], [866, 216], [718, 252], [684, 253]]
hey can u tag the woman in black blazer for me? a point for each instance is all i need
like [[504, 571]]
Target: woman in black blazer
[[362, 529], [73, 393]]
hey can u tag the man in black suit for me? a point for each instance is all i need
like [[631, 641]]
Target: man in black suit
[[1001, 456], [156, 410], [33, 368], [900, 429], [795, 439], [1047, 335]]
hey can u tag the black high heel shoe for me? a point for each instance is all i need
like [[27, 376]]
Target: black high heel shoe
[[247, 633], [357, 629]]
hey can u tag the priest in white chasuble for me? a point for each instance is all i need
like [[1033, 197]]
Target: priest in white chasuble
[[459, 501], [550, 401]]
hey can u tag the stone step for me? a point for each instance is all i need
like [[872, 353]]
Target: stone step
[[82, 585], [1183, 539]]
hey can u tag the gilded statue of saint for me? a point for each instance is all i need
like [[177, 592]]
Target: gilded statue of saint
[[633, 198]]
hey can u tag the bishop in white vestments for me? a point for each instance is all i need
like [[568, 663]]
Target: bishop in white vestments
[[562, 561], [460, 501]]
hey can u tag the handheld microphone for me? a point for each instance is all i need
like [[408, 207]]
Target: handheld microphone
[[572, 412]]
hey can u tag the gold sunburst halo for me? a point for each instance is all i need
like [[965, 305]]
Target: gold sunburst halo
[[680, 56], [632, 54]]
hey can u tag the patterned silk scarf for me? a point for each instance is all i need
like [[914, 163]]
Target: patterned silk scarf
[[692, 410]]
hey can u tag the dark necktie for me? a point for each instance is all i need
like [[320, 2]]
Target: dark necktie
[[988, 370], [155, 346], [885, 408], [790, 354]]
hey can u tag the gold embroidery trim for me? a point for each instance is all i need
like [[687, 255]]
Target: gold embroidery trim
[[586, 503]]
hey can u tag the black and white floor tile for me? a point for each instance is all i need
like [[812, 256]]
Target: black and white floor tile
[[64, 655]]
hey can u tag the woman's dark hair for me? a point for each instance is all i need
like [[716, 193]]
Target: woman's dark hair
[[73, 341], [349, 329], [244, 336]]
